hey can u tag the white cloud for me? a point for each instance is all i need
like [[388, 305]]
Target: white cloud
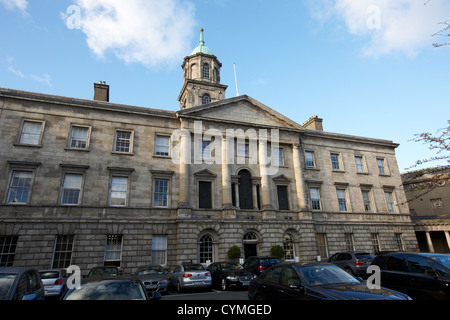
[[45, 78], [150, 32], [13, 4], [405, 26]]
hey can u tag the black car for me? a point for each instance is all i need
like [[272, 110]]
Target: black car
[[20, 283], [314, 281], [257, 265], [419, 275], [228, 274]]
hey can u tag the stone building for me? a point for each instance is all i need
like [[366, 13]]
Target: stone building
[[91, 182], [428, 193]]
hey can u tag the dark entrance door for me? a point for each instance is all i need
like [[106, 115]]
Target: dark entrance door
[[250, 250], [245, 190]]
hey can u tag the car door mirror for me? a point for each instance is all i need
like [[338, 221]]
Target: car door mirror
[[30, 296], [430, 273], [296, 285]]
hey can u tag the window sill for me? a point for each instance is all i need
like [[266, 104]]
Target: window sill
[[28, 145], [77, 149], [122, 153]]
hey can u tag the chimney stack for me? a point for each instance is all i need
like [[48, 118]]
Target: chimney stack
[[314, 123], [101, 91]]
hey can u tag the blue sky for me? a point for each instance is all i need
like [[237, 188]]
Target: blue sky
[[367, 67]]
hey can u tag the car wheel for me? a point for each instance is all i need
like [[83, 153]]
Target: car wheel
[[224, 285], [179, 289]]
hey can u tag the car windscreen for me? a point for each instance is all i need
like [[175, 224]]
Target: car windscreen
[[155, 270], [231, 266], [107, 290], [364, 255], [193, 267], [265, 262], [49, 275], [442, 259], [316, 275], [6, 282]]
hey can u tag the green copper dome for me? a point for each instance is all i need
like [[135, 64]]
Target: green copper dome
[[201, 46]]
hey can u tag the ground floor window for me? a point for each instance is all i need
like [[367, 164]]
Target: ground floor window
[[159, 249], [62, 253], [206, 249], [7, 250], [113, 250]]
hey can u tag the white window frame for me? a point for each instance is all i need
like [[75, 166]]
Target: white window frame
[[342, 191], [279, 156], [159, 245], [64, 187], [340, 166], [159, 145], [312, 159], [20, 187], [315, 199], [391, 203], [71, 137], [113, 249], [130, 141], [114, 189], [37, 137], [369, 201]]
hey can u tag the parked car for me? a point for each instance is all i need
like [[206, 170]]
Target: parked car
[[355, 263], [228, 274], [153, 277], [190, 276], [420, 275], [113, 288], [257, 265], [106, 271], [54, 281], [314, 281], [20, 283]]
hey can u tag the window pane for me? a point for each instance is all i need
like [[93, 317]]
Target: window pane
[[20, 187], [359, 164], [206, 248], [366, 200], [309, 159], [315, 198], [160, 194], [380, 163], [341, 200], [31, 132], [159, 247], [335, 161], [119, 186], [389, 201], [62, 254], [123, 141], [204, 194], [162, 146], [113, 248], [7, 250], [79, 137], [71, 189]]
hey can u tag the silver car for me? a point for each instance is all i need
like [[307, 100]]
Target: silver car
[[153, 277], [54, 281], [190, 276]]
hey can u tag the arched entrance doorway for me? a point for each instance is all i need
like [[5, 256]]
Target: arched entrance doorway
[[245, 190], [250, 241]]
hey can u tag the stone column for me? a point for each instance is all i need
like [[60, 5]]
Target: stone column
[[227, 201], [429, 242], [299, 181], [266, 198], [447, 237], [185, 170]]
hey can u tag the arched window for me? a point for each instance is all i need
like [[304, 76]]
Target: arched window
[[250, 237], [206, 248], [206, 99], [205, 73], [288, 246]]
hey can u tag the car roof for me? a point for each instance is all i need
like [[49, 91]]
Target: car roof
[[126, 277], [16, 270]]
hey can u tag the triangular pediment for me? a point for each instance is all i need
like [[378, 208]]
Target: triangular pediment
[[242, 109]]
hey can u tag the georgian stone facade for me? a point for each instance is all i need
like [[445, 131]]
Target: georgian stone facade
[[93, 182]]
